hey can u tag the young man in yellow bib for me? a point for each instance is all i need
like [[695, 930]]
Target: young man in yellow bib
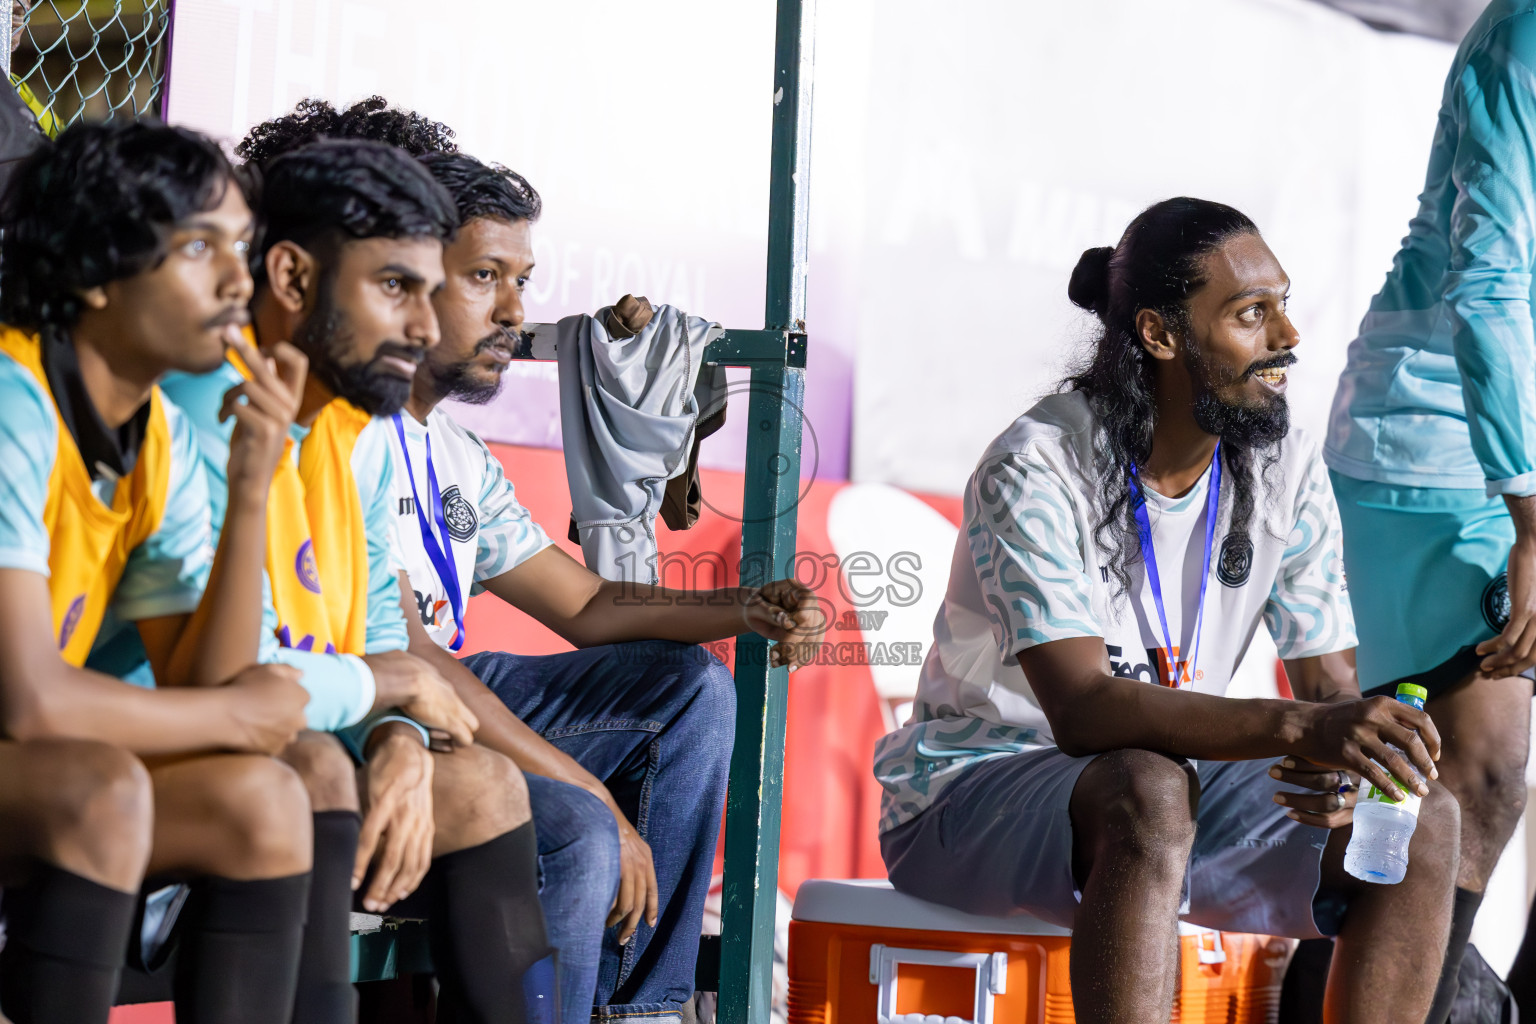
[[124, 253], [353, 239]]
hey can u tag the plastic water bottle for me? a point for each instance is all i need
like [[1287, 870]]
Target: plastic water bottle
[[1378, 849]]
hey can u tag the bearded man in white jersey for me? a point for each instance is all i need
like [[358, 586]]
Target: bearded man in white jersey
[[1071, 753], [625, 742]]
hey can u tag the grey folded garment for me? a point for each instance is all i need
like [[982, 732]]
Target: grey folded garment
[[632, 391]]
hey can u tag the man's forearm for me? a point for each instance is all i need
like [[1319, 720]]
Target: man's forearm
[[1121, 714], [620, 612], [81, 704], [1523, 511], [230, 609]]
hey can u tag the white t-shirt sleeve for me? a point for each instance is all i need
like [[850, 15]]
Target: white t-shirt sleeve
[[1308, 610], [1027, 552], [508, 536]]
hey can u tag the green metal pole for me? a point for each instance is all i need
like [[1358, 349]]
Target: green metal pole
[[772, 491]]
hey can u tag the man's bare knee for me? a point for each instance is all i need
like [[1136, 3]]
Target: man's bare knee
[[96, 810], [327, 770], [478, 795], [1436, 843], [1135, 806], [1491, 793], [264, 807]]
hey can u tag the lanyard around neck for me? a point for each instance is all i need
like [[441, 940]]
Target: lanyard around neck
[[1149, 556], [439, 554]]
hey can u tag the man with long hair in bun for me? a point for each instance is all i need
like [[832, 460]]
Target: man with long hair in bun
[[1071, 752]]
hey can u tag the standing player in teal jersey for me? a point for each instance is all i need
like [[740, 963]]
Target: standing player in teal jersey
[[1432, 448]]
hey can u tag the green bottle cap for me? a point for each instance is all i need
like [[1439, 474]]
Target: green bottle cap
[[1412, 690]]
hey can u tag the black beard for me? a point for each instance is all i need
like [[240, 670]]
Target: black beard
[[458, 382], [326, 338], [1256, 427]]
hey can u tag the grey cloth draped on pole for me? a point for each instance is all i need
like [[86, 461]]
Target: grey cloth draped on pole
[[631, 398]]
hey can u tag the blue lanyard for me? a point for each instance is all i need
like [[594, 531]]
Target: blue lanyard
[[440, 554], [1149, 556]]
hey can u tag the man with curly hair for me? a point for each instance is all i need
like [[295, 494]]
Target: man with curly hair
[[124, 258], [623, 885], [352, 237], [372, 118]]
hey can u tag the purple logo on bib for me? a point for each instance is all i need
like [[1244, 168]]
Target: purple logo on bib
[[71, 620], [304, 566]]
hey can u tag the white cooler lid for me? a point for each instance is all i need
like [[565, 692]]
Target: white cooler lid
[[874, 903]]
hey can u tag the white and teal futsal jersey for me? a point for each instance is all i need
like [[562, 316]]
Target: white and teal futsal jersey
[[477, 528], [1027, 571], [1440, 386]]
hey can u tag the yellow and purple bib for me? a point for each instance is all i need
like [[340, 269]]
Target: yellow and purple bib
[[89, 542]]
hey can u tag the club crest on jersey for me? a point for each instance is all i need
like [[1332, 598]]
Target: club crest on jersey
[[459, 514], [71, 620], [1496, 603], [304, 567], [1236, 561]]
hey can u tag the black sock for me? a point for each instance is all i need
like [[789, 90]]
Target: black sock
[[326, 995], [487, 928], [1522, 973], [66, 937], [239, 951], [1462, 915]]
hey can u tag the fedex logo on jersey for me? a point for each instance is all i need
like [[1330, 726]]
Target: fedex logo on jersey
[[430, 608], [1170, 671]]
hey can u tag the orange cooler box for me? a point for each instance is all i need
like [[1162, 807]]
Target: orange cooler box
[[862, 953]]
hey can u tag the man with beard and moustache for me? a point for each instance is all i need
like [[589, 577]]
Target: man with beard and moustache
[[353, 236], [1071, 753], [640, 720], [644, 885]]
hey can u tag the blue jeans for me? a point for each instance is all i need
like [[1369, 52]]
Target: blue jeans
[[654, 720]]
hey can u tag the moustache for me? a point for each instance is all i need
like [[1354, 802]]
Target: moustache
[[1284, 359], [234, 316], [399, 350], [511, 340]]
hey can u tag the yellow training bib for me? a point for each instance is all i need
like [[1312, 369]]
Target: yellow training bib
[[317, 542], [89, 543]]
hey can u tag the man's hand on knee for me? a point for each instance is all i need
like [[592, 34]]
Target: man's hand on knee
[[397, 830], [637, 881]]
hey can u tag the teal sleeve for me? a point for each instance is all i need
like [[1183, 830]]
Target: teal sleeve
[[508, 535], [373, 469], [341, 687], [1493, 248], [29, 441], [356, 738], [167, 574]]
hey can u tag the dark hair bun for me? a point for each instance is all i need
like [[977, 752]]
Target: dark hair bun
[[1089, 287]]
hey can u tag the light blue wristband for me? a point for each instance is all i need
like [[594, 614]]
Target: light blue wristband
[[355, 738]]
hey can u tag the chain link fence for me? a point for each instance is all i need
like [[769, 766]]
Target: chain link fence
[[89, 59]]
